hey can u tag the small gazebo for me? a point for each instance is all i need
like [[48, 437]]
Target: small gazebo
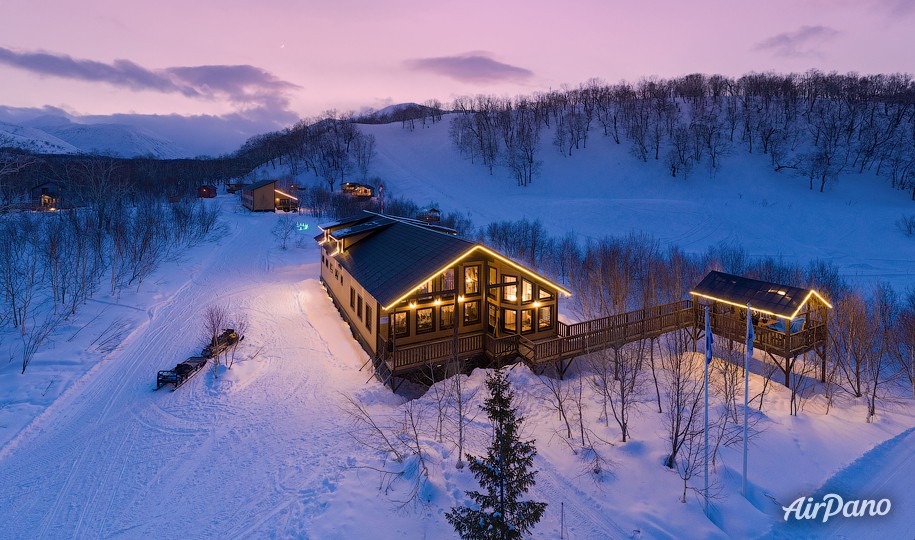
[[788, 321]]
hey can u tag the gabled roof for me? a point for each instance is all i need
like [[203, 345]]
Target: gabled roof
[[783, 301], [258, 185], [395, 256]]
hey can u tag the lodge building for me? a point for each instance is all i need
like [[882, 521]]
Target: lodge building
[[410, 290], [415, 294]]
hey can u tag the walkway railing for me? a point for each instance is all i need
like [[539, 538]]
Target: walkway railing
[[598, 334]]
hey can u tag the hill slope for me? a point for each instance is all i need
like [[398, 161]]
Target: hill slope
[[604, 190]]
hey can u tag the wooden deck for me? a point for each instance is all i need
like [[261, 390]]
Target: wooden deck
[[599, 334]]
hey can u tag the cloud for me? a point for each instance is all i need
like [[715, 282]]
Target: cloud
[[244, 85], [470, 67], [241, 84], [801, 42], [200, 134]]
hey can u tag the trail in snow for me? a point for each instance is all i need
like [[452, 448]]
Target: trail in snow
[[236, 457]]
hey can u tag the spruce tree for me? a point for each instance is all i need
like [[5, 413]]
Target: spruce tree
[[504, 474]]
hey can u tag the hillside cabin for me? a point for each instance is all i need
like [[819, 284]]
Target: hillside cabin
[[416, 294], [357, 190], [430, 215], [787, 321], [260, 197], [206, 192], [45, 196], [285, 201]]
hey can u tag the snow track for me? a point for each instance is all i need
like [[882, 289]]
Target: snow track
[[241, 456]]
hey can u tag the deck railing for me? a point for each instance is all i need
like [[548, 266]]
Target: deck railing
[[598, 334]]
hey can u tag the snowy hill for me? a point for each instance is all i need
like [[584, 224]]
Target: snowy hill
[[604, 190], [58, 135], [110, 139], [34, 139]]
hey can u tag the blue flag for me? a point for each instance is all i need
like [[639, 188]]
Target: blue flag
[[751, 335], [708, 338]]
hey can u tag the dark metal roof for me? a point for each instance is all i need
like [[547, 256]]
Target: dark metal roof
[[397, 256], [361, 227], [259, 185], [781, 300], [359, 218]]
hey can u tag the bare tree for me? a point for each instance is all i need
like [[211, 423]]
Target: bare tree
[[283, 228], [684, 385], [215, 318]]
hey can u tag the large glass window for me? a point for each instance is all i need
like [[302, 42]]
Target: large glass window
[[447, 280], [471, 312], [509, 288], [472, 280], [510, 320], [545, 318], [493, 280], [527, 321], [543, 294], [493, 317], [527, 291], [425, 288], [425, 321], [447, 316], [401, 323]]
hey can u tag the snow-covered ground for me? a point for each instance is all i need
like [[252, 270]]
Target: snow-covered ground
[[87, 449], [603, 190]]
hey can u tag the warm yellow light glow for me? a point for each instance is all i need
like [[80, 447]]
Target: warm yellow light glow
[[790, 317], [466, 254], [536, 304], [460, 298], [412, 305], [286, 195], [437, 301], [336, 251]]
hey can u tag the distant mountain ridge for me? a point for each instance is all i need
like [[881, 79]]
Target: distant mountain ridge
[[58, 135]]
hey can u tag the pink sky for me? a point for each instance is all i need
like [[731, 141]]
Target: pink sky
[[302, 57]]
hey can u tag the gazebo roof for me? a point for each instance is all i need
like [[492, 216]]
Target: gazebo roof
[[783, 301]]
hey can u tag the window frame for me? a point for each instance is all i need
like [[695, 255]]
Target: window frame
[[468, 267], [441, 317], [530, 284], [470, 322], [416, 323], [530, 312], [505, 288], [551, 311], [368, 317], [406, 325], [505, 320]]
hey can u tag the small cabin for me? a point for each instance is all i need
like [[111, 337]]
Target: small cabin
[[235, 187], [430, 215], [357, 190], [206, 192], [285, 202], [416, 294], [260, 197], [788, 321], [45, 196]]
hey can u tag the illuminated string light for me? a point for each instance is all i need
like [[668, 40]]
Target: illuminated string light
[[466, 254]]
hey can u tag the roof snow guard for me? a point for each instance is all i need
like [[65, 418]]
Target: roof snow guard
[[783, 301]]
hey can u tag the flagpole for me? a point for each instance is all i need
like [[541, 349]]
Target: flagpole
[[708, 359], [746, 392]]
